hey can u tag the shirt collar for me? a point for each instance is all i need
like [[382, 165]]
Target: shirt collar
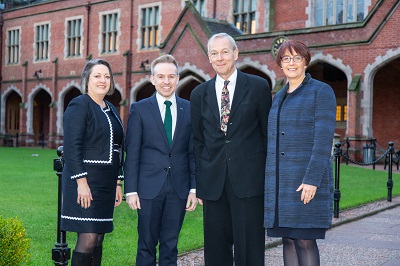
[[161, 99], [232, 79]]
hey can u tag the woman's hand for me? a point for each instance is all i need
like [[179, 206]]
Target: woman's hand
[[84, 195], [308, 192], [118, 196]]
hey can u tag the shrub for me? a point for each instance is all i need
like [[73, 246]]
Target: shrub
[[13, 243]]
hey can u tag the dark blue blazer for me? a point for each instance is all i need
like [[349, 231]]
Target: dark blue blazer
[[88, 139], [149, 158]]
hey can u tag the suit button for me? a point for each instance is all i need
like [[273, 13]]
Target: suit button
[[227, 141], [283, 153], [283, 133], [170, 155], [165, 169]]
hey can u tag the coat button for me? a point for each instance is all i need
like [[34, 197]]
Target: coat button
[[170, 155], [283, 133], [165, 169], [283, 153]]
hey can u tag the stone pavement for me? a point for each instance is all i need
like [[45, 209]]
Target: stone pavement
[[365, 236], [372, 240]]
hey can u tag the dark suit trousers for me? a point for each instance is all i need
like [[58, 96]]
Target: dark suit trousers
[[234, 221], [160, 221]]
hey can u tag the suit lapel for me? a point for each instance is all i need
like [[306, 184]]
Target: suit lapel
[[240, 91], [180, 114], [155, 111], [211, 98]]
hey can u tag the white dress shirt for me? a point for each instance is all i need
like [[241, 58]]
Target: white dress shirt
[[219, 84], [162, 107]]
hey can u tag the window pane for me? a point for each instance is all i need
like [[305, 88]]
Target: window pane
[[144, 17], [329, 13], [253, 5], [245, 6], [253, 23], [360, 10], [350, 11], [319, 12], [236, 8], [339, 12], [338, 113]]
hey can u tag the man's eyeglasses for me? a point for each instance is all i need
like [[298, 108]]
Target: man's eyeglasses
[[287, 59], [224, 54]]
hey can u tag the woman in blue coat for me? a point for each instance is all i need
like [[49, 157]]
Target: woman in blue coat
[[298, 175]]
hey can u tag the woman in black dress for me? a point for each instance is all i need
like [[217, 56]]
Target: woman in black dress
[[92, 174]]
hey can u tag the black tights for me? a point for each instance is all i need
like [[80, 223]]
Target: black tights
[[300, 252], [87, 242]]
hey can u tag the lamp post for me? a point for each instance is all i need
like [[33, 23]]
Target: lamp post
[[61, 252]]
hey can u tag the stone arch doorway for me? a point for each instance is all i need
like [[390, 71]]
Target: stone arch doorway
[[41, 118], [187, 82], [146, 91], [251, 70], [72, 93], [386, 107], [336, 78], [115, 99], [12, 113]]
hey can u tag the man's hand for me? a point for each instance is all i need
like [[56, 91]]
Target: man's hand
[[133, 201], [191, 202]]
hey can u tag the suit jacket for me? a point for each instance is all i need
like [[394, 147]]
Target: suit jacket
[[241, 153], [149, 158], [89, 137]]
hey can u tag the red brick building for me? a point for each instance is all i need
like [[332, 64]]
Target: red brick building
[[355, 48]]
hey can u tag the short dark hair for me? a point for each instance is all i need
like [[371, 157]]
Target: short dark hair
[[87, 70], [167, 58], [293, 46]]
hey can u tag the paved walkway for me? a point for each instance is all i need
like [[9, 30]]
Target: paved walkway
[[364, 236], [373, 240]]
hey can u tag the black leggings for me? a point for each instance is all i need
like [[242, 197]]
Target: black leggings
[[87, 242], [300, 252]]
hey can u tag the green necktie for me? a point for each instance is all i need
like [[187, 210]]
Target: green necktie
[[168, 121]]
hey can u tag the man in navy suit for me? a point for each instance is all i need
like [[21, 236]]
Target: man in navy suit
[[159, 170], [229, 119]]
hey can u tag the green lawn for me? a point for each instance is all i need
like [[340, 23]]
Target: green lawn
[[28, 191]]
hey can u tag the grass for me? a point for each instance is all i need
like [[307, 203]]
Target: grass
[[28, 191]]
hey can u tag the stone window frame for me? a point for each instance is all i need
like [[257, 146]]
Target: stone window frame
[[73, 37], [110, 31], [42, 41], [149, 26], [13, 45], [245, 15]]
